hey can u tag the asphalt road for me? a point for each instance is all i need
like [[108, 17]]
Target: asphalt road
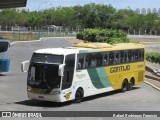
[[152, 46], [13, 94]]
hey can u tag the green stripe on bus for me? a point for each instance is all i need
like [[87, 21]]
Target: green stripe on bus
[[95, 78], [103, 76], [99, 78]]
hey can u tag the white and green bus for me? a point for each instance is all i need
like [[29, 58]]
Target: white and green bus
[[72, 73]]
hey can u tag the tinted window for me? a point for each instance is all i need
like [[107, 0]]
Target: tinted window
[[106, 59], [111, 58], [47, 58], [68, 71], [121, 56], [90, 60], [4, 46], [117, 58], [70, 60], [141, 55], [99, 59], [136, 55]]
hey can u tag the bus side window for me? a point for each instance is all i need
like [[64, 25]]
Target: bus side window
[[93, 62], [129, 56], [136, 55], [68, 71], [88, 61], [80, 61], [132, 55], [99, 59], [116, 58], [106, 59], [122, 57], [126, 57], [141, 54], [111, 58]]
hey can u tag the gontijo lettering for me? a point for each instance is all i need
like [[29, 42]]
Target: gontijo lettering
[[119, 69]]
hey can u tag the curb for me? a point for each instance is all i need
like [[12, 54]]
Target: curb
[[41, 39], [25, 41], [157, 88]]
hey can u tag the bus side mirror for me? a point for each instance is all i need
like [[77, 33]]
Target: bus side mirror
[[61, 70], [25, 66]]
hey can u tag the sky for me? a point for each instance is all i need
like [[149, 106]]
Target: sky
[[118, 4]]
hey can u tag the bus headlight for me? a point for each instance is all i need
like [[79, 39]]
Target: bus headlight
[[29, 88]]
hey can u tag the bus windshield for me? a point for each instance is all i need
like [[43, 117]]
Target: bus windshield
[[44, 76], [3, 46], [43, 71]]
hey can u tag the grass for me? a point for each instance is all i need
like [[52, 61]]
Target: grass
[[16, 36]]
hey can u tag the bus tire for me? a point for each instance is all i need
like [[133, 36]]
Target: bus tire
[[124, 87], [79, 96], [131, 84]]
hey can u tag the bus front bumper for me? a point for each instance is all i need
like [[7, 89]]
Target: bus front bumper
[[46, 97]]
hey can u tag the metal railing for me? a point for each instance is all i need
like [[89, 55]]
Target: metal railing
[[33, 33]]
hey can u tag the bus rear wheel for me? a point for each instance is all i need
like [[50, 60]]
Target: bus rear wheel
[[124, 86], [79, 96], [131, 84]]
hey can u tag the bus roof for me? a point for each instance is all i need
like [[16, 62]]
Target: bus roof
[[56, 51], [89, 47], [108, 47]]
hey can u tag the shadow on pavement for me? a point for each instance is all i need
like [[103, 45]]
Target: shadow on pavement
[[38, 103], [106, 94], [2, 75]]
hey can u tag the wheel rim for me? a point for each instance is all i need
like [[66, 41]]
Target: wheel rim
[[131, 85]]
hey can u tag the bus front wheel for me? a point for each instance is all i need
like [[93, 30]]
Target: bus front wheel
[[79, 95]]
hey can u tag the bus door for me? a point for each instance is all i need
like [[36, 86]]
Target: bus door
[[68, 71]]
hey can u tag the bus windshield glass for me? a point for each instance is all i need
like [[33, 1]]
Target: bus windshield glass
[[43, 71], [47, 58], [44, 76], [3, 46]]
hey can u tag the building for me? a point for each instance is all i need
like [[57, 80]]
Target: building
[[22, 9], [138, 11], [149, 11], [154, 10], [158, 12], [143, 11]]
